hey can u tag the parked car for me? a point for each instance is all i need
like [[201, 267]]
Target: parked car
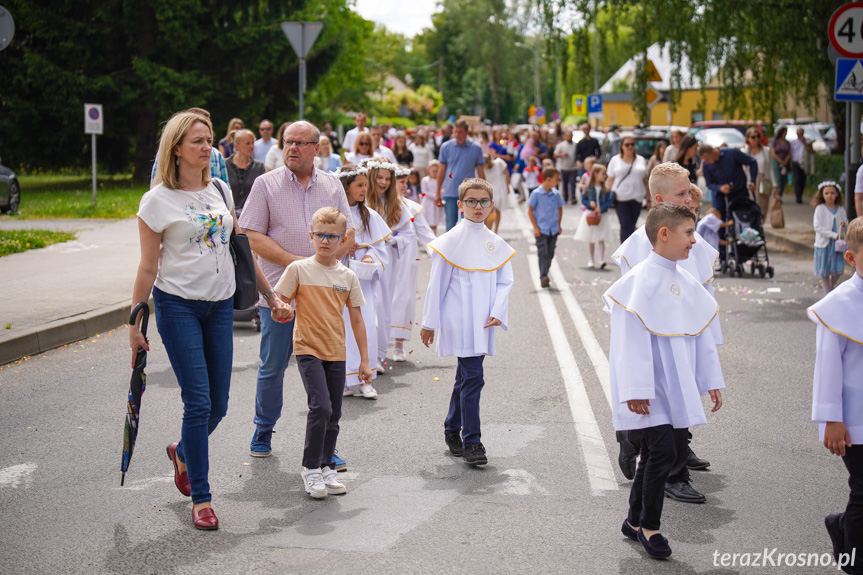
[[739, 125], [718, 137], [10, 191], [812, 135]]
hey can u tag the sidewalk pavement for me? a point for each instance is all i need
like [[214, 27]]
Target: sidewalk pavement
[[68, 292]]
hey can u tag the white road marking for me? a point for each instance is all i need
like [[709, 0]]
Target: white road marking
[[17, 474], [596, 459], [144, 484]]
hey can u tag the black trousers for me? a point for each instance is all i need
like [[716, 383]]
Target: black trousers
[[325, 383], [679, 472], [568, 179], [799, 180], [627, 215], [545, 245], [648, 487], [851, 521]]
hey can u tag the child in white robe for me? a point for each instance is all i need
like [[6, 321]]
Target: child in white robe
[[662, 357], [837, 395], [468, 296], [433, 212], [669, 182], [368, 260], [709, 226]]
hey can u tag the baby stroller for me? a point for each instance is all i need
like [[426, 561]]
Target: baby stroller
[[747, 239]]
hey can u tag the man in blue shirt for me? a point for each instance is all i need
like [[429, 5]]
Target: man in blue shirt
[[459, 159], [545, 210], [723, 172]]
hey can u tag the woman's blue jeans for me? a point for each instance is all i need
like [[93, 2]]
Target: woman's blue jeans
[[198, 336]]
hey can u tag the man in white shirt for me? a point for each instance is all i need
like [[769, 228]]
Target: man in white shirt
[[351, 136], [377, 134], [564, 159], [265, 142], [798, 147]]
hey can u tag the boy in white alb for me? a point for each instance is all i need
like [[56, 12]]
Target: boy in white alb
[[321, 287], [669, 182], [662, 358], [468, 296], [837, 395]]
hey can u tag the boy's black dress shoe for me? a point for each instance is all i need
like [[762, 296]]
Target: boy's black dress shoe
[[695, 462], [453, 441], [683, 492], [626, 459], [474, 454], [835, 532], [657, 546], [628, 531]]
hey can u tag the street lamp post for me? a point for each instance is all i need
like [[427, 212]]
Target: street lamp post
[[536, 96]]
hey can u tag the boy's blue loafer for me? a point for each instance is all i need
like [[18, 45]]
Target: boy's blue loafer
[[657, 546]]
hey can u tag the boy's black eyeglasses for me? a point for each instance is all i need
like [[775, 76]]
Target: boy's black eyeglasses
[[471, 202], [331, 238]]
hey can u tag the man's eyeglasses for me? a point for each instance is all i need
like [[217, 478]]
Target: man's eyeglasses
[[297, 143], [331, 238], [472, 202]]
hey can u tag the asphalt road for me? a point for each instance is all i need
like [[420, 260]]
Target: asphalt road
[[551, 499]]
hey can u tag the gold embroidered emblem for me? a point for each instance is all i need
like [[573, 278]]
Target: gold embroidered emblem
[[674, 289]]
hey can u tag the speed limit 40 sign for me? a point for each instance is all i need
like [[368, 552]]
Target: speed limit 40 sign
[[846, 30]]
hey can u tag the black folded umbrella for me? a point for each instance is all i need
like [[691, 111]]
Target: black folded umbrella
[[137, 385]]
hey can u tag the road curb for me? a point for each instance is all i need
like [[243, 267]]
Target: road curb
[[798, 247], [63, 331]]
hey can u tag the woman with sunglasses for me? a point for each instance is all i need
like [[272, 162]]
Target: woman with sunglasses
[[765, 183], [627, 178], [362, 149]]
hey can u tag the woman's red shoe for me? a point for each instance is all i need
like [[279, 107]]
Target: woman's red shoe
[[205, 519], [181, 480]]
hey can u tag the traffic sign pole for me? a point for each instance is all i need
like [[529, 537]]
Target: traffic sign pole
[[93, 125], [93, 146]]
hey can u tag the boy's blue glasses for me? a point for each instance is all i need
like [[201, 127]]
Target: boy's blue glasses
[[472, 202], [331, 238]]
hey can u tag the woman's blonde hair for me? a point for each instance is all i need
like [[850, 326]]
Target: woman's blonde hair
[[241, 133], [234, 125], [168, 170]]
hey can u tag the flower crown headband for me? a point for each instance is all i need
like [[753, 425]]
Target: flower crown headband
[[375, 165], [402, 171], [829, 183], [350, 174]]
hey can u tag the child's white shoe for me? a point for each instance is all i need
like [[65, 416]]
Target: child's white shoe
[[590, 264], [313, 481], [333, 486], [399, 355], [367, 391]]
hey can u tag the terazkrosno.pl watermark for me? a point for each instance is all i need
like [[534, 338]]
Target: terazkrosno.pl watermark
[[775, 558]]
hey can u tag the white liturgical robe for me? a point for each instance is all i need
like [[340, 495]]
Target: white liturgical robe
[[837, 393], [661, 348], [371, 242], [470, 281], [700, 263]]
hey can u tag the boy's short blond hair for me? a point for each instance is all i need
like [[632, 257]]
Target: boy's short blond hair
[[854, 235], [695, 194], [663, 176], [474, 184], [330, 215], [666, 215]]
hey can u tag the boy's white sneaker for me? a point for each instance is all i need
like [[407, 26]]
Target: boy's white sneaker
[[367, 391], [333, 486], [313, 481]]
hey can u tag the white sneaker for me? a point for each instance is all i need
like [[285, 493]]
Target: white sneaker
[[367, 391], [313, 481], [333, 486], [399, 355], [590, 264]]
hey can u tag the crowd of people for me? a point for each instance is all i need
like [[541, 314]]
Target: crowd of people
[[338, 245]]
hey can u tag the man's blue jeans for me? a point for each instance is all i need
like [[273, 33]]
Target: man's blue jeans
[[463, 413], [277, 344], [451, 208], [198, 336]]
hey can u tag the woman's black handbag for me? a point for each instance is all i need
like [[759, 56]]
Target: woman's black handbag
[[244, 264]]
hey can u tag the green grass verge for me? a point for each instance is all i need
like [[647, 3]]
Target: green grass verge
[[116, 202], [16, 241]]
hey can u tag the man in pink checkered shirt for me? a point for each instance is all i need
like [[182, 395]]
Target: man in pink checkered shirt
[[277, 216]]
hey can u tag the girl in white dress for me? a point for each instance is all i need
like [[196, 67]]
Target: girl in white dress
[[368, 259], [434, 212], [596, 200]]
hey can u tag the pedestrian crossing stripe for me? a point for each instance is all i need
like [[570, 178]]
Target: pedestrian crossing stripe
[[849, 80]]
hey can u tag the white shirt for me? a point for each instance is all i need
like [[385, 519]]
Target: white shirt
[[630, 187], [422, 155], [275, 159], [195, 260], [858, 187], [351, 137], [567, 163], [386, 153], [261, 149], [797, 149]]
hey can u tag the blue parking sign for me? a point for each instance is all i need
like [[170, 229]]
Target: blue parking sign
[[594, 104]]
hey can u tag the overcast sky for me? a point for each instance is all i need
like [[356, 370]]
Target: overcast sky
[[408, 18]]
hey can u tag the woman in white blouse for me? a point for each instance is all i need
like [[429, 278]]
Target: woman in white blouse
[[627, 178], [765, 184]]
